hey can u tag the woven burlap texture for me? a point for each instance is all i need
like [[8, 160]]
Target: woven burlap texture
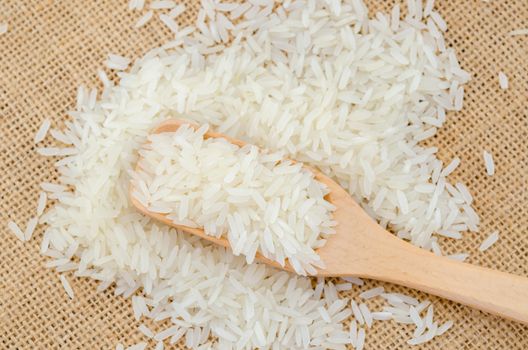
[[54, 46]]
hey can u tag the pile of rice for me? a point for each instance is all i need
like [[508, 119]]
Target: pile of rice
[[258, 201], [319, 80]]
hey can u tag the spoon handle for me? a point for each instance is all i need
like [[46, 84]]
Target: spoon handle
[[492, 291]]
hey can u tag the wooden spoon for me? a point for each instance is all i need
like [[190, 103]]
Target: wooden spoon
[[362, 248]]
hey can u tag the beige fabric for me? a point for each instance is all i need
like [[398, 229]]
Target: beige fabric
[[53, 46]]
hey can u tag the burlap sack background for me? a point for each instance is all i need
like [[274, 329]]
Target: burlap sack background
[[53, 46]]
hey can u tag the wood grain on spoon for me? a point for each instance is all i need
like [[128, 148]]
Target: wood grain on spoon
[[362, 248]]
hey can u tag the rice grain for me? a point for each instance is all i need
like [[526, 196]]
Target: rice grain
[[66, 286], [503, 81], [489, 241], [42, 131], [489, 163]]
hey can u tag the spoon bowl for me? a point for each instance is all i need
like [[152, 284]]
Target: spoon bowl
[[362, 248]]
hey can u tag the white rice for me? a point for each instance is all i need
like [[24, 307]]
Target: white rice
[[367, 316], [419, 330], [55, 151], [169, 22], [117, 62], [138, 346], [439, 21], [360, 339], [177, 335], [371, 293], [463, 190], [428, 8], [381, 315], [42, 131], [285, 74], [30, 228], [421, 306], [354, 280], [144, 19], [146, 331], [415, 316], [66, 286], [401, 297], [178, 10], [353, 333], [256, 200], [162, 4], [424, 337], [357, 312], [489, 163], [503, 81], [458, 256], [41, 203], [522, 31], [3, 28], [52, 188], [435, 248], [429, 316], [169, 332], [324, 314], [451, 167], [489, 241], [16, 230], [459, 98], [343, 286], [444, 327], [139, 307]]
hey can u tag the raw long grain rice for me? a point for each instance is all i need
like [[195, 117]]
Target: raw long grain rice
[[66, 285], [354, 280], [143, 19], [30, 228], [146, 331], [381, 315], [503, 81], [415, 317], [343, 286], [117, 62], [458, 256], [41, 203], [169, 22], [198, 79], [353, 333], [162, 4], [371, 293], [489, 241], [444, 327], [358, 315], [176, 11], [42, 131], [464, 192], [360, 339], [451, 167], [138, 346], [522, 31], [16, 230], [489, 163], [238, 185], [367, 316]]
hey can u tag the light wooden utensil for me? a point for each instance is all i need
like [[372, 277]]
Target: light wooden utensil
[[362, 248]]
